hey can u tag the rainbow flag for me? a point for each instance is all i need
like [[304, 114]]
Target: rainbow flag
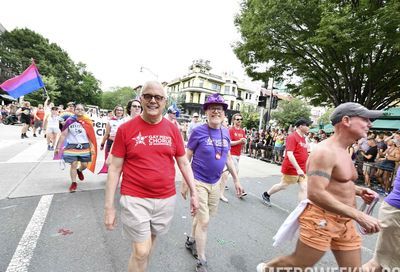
[[28, 82]]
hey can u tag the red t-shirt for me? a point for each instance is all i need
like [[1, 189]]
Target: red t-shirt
[[236, 134], [148, 151], [297, 144]]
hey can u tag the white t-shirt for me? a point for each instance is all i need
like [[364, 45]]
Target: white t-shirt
[[77, 134]]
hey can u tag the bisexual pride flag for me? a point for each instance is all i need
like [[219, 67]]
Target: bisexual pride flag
[[28, 82]]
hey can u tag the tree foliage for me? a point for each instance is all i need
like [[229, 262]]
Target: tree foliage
[[250, 116], [117, 96], [289, 111], [64, 80], [342, 50]]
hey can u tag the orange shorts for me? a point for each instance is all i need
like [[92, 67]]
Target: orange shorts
[[324, 230]]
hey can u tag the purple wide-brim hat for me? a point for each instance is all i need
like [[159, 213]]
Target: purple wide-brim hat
[[215, 99]]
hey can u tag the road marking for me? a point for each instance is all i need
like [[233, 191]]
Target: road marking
[[31, 154], [23, 254]]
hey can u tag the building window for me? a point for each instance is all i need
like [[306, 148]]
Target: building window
[[191, 98], [226, 90], [215, 87], [239, 93], [201, 83], [238, 107]]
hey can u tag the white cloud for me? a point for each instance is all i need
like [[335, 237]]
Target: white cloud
[[115, 38]]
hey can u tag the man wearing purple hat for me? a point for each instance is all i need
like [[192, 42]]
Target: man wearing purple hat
[[327, 223], [208, 149]]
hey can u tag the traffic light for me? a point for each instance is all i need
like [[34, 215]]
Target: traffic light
[[262, 101]]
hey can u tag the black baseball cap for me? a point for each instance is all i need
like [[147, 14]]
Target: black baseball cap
[[353, 109], [302, 122]]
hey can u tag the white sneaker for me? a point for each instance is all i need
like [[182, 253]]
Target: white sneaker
[[224, 199], [261, 267]]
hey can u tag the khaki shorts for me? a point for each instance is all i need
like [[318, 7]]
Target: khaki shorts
[[388, 240], [293, 179], [142, 217], [208, 199], [324, 230]]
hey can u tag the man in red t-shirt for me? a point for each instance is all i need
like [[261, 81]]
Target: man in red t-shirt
[[294, 165], [238, 138], [144, 150]]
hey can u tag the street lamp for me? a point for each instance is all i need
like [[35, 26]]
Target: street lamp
[[148, 70]]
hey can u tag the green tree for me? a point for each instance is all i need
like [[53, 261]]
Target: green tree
[[324, 119], [117, 96], [289, 111], [73, 81], [250, 116], [342, 50]]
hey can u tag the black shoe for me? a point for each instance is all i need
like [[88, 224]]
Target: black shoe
[[34, 135], [266, 199], [191, 245], [22, 136], [25, 136], [201, 266]]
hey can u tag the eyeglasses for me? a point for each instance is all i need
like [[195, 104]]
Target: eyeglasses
[[239, 119], [149, 97], [138, 106], [218, 109], [119, 110], [195, 117]]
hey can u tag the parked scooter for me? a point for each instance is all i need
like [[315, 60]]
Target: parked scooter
[[11, 119]]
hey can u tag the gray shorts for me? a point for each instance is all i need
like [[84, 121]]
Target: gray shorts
[[143, 217]]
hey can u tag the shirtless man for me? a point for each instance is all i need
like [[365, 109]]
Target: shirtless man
[[327, 222]]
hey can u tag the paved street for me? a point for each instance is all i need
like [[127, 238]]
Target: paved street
[[45, 228]]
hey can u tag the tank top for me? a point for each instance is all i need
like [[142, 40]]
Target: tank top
[[40, 114], [114, 124], [53, 121]]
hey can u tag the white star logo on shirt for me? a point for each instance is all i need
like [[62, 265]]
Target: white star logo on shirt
[[139, 139]]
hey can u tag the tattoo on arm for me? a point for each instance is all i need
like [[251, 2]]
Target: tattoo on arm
[[319, 173]]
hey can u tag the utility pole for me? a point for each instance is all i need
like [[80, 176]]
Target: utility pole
[[271, 97]]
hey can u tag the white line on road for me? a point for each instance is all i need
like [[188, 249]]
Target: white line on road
[[31, 154], [23, 254]]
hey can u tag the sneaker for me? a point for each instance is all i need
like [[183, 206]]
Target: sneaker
[[201, 266], [34, 135], [224, 199], [266, 199], [243, 194], [261, 267], [49, 147], [25, 136], [226, 188], [22, 136], [191, 245], [80, 174], [73, 187]]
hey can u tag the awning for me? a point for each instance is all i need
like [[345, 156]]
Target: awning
[[386, 124], [7, 97], [328, 128]]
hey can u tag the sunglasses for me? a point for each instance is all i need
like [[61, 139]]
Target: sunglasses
[[149, 97], [239, 119], [136, 106]]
